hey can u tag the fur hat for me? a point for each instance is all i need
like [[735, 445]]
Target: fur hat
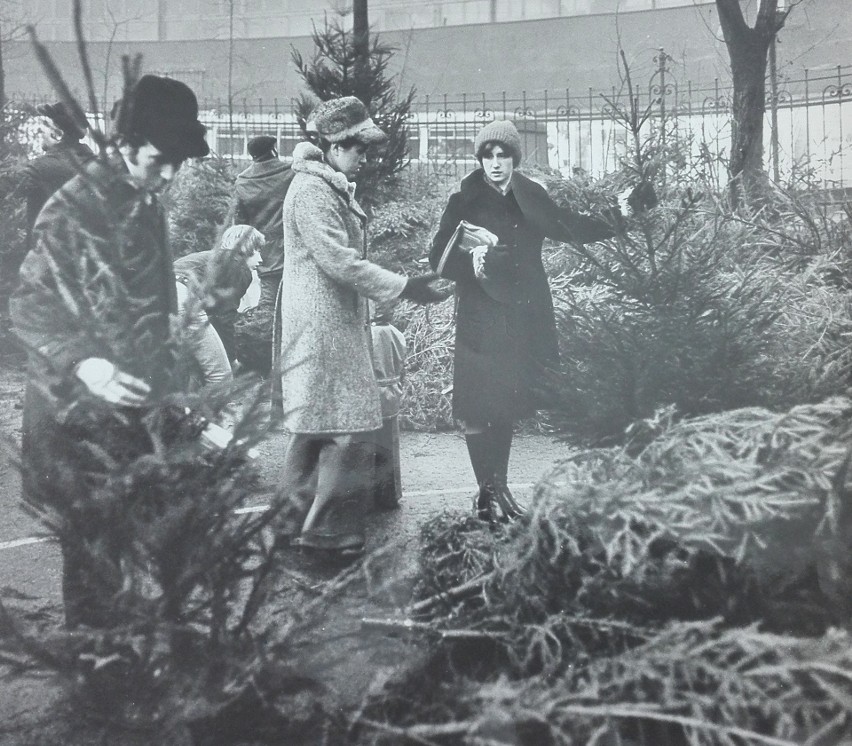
[[261, 145], [61, 117], [342, 118], [165, 113], [503, 132]]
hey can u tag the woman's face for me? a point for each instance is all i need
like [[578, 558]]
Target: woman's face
[[255, 260], [498, 165], [347, 160]]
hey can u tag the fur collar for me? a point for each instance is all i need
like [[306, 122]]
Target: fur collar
[[308, 159]]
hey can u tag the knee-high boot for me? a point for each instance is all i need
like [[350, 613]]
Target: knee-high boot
[[479, 449], [500, 437]]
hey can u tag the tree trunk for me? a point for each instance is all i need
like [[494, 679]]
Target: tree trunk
[[361, 45], [2, 77], [745, 166], [748, 50]]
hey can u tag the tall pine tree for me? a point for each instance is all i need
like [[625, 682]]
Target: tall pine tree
[[338, 67]]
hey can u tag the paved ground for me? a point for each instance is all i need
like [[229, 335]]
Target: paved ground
[[436, 477]]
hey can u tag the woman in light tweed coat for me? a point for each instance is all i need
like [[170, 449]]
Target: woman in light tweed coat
[[322, 341]]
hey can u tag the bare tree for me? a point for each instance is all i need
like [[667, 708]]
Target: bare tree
[[12, 28], [748, 50], [114, 23], [361, 46]]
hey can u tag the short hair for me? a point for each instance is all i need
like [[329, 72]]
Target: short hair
[[242, 239], [135, 140], [489, 145]]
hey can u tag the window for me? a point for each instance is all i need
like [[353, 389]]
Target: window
[[447, 143]]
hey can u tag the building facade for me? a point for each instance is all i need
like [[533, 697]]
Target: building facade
[[550, 65], [183, 20]]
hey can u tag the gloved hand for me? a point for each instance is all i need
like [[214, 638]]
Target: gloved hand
[[419, 289], [107, 382], [497, 261], [477, 257], [637, 199]]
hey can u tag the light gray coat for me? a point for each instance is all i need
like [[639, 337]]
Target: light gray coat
[[322, 337]]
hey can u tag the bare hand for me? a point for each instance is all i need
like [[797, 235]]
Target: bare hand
[[107, 382]]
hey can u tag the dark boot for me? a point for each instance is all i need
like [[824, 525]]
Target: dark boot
[[500, 442], [478, 448], [484, 502], [509, 507]]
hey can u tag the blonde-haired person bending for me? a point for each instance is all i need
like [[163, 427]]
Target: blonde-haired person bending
[[210, 286]]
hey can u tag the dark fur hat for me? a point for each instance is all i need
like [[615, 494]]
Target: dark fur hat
[[164, 112], [60, 116]]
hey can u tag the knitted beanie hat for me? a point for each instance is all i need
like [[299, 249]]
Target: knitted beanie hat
[[341, 118], [503, 132]]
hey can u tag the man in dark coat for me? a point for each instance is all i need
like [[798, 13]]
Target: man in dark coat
[[93, 310], [259, 195]]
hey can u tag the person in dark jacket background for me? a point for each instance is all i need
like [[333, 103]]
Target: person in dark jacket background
[[64, 156], [259, 198], [506, 341]]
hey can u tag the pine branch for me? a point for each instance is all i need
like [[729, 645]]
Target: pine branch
[[456, 593], [61, 88], [84, 57]]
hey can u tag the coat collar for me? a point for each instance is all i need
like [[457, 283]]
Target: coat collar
[[309, 159], [538, 209], [474, 185], [525, 190], [261, 169]]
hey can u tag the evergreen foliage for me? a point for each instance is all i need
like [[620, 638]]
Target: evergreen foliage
[[200, 203], [679, 590], [331, 73], [149, 510], [13, 155]]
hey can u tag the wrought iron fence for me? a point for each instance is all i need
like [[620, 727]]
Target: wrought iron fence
[[805, 137], [808, 130]]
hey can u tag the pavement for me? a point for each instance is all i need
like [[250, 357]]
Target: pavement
[[436, 477]]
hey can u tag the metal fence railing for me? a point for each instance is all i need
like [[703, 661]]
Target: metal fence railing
[[808, 132]]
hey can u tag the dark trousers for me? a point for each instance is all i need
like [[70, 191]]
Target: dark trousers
[[386, 462], [326, 482], [253, 330]]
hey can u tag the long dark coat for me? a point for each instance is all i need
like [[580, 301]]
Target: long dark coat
[[97, 283], [504, 346]]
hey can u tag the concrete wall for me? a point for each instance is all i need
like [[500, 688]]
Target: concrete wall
[[577, 52]]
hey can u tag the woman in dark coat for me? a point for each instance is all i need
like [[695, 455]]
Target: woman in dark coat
[[506, 332]]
